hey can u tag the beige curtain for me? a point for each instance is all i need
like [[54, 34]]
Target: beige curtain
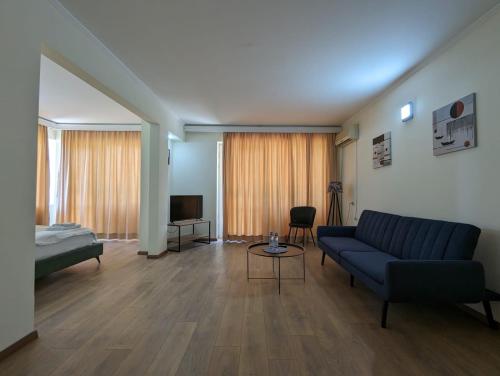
[[265, 175], [42, 178], [100, 182]]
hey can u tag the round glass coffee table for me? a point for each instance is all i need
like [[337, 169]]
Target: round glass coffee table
[[293, 250]]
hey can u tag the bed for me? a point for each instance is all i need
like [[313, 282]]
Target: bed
[[58, 247]]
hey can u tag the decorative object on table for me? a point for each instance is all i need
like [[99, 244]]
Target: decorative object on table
[[334, 188], [454, 126], [382, 155], [276, 249], [273, 240], [302, 217]]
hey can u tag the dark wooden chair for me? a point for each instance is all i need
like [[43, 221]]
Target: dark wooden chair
[[302, 217]]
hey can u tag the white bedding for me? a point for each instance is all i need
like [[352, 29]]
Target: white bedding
[[50, 243]]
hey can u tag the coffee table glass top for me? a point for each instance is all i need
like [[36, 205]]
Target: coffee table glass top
[[259, 250]]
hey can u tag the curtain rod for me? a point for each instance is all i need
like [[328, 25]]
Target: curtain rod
[[214, 128], [90, 126]]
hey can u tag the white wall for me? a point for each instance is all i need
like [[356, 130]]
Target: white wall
[[194, 171], [26, 26], [347, 161], [462, 186]]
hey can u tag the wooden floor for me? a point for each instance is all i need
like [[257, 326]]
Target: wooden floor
[[194, 313]]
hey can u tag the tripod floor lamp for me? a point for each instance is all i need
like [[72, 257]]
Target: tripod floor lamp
[[334, 188]]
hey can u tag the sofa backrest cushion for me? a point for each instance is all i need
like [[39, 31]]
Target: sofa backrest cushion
[[377, 229], [427, 239], [417, 238], [462, 242]]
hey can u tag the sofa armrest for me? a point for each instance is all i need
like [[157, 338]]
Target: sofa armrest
[[457, 281], [339, 231]]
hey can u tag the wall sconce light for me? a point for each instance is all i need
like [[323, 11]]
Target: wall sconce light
[[407, 112]]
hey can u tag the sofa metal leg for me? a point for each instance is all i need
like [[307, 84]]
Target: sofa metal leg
[[323, 259], [383, 321], [352, 281], [489, 314], [98, 259], [289, 232]]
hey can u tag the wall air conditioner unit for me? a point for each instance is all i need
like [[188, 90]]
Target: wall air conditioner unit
[[348, 134]]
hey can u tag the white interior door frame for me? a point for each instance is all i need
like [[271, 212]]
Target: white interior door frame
[[219, 216]]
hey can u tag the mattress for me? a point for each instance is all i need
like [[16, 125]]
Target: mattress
[[63, 245]]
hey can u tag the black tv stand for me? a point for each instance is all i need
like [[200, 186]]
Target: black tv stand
[[189, 222]]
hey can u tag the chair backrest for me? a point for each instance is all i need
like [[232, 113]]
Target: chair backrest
[[303, 215]]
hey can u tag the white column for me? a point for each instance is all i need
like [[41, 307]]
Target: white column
[[154, 189]]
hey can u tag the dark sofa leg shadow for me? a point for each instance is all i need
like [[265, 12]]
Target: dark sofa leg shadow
[[352, 281], [489, 314], [98, 259], [383, 321], [323, 259]]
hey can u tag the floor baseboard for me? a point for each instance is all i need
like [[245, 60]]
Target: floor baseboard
[[159, 255], [18, 344], [476, 314]]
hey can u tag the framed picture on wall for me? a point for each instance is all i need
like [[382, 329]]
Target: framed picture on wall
[[454, 126], [382, 155]]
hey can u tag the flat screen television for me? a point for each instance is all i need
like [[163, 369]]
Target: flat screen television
[[186, 207]]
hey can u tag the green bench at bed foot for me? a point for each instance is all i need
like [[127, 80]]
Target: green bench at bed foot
[[54, 263]]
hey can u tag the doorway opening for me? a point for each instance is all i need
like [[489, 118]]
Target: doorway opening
[[88, 157]]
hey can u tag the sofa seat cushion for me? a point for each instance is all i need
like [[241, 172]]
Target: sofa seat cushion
[[339, 245], [370, 263]]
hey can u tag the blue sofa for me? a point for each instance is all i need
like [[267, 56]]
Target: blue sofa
[[409, 259]]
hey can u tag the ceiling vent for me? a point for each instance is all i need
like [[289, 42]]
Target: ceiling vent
[[348, 134]]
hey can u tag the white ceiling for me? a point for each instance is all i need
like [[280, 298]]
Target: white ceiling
[[273, 61], [65, 98]]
